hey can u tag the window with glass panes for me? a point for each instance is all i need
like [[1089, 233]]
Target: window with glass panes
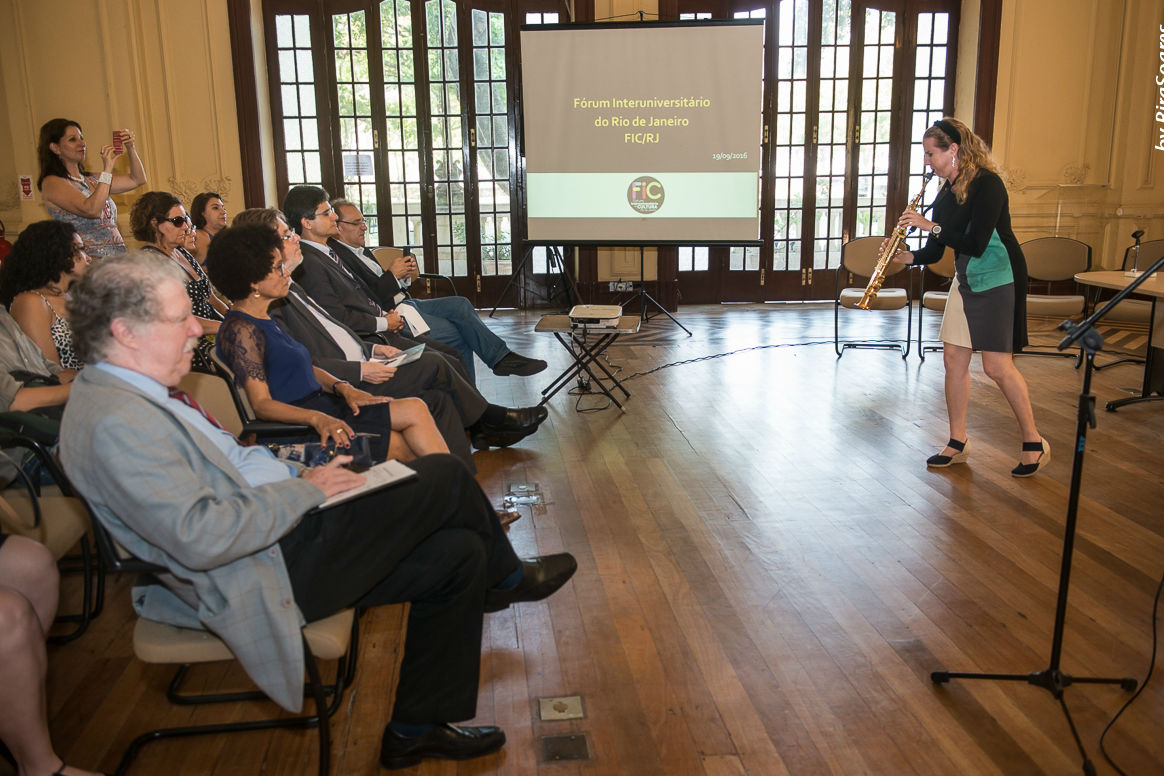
[[492, 142], [298, 103], [400, 139], [354, 114]]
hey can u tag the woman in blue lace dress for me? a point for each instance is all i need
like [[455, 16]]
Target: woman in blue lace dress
[[246, 264]]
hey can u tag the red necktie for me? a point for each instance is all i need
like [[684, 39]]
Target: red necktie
[[188, 400]]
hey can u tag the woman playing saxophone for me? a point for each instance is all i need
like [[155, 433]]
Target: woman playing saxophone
[[986, 308]]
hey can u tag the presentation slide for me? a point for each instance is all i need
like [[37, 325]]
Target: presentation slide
[[642, 133]]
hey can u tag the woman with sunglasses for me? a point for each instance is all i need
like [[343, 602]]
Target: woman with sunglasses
[[276, 372], [81, 198], [34, 284], [159, 220]]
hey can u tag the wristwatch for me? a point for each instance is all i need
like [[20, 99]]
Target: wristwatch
[[937, 230]]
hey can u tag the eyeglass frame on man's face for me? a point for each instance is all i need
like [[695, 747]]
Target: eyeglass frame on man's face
[[324, 214], [356, 224]]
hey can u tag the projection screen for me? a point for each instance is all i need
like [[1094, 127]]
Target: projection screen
[[642, 133]]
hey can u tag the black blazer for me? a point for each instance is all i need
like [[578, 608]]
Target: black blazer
[[383, 288], [298, 321], [332, 289]]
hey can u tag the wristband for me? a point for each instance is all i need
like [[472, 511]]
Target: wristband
[[106, 178], [335, 386]]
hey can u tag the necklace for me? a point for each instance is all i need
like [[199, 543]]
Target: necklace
[[182, 263]]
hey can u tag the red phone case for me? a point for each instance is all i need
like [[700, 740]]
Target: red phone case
[[117, 144]]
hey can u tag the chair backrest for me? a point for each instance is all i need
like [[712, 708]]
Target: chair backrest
[[386, 255], [944, 266], [241, 402], [859, 256], [1056, 258], [216, 396], [1150, 253]]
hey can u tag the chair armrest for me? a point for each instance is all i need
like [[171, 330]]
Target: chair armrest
[[438, 276]]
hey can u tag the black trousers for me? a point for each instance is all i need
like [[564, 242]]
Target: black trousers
[[434, 541], [453, 401]]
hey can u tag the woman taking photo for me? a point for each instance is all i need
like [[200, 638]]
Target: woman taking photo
[[78, 197], [159, 220], [34, 283], [986, 309], [276, 372], [209, 216]]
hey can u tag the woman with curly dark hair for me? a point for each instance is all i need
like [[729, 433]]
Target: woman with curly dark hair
[[209, 216], [159, 220], [34, 282], [276, 372], [79, 197]]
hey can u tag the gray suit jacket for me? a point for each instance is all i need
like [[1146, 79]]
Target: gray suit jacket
[[170, 497], [18, 353]]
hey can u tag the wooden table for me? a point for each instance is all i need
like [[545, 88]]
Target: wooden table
[[1154, 361], [585, 344]]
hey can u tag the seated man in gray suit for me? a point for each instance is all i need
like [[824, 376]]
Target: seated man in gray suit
[[250, 556], [452, 319]]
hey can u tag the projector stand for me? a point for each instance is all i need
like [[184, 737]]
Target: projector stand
[[644, 297], [556, 262]]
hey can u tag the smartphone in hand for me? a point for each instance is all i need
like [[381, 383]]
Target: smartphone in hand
[[118, 146]]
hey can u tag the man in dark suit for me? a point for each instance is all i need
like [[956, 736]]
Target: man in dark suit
[[333, 287], [455, 403], [249, 556], [451, 319]]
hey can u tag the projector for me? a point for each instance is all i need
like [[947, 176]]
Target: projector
[[605, 315]]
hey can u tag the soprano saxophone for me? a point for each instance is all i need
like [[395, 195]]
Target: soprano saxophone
[[891, 248]]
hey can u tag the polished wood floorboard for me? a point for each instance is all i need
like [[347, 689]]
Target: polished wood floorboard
[[767, 576]]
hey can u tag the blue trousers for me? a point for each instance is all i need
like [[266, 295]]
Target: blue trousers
[[455, 322]]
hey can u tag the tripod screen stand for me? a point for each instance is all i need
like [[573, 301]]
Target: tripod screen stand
[[1052, 678], [556, 263], [645, 298]]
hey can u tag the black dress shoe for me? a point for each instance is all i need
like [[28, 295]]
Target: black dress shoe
[[449, 742], [514, 364], [542, 576]]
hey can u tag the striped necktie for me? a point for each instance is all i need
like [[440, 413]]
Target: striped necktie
[[188, 400]]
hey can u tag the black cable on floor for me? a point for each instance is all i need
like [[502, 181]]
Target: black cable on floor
[[1143, 684]]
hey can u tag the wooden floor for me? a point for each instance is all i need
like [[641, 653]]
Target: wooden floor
[[767, 576]]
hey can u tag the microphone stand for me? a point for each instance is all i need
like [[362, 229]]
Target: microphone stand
[[1052, 678]]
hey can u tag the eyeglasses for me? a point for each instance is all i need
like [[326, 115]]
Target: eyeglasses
[[288, 237], [360, 222], [178, 221], [281, 268], [327, 212]]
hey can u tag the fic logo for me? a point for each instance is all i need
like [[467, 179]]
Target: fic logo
[[645, 194]]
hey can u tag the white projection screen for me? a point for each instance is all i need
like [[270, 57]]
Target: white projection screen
[[642, 133]]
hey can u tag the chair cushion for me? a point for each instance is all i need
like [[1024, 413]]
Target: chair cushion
[[1054, 305], [886, 299], [63, 521], [935, 300], [155, 642], [1131, 310]]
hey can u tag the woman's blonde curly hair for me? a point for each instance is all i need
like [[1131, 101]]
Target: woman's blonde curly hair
[[973, 154]]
